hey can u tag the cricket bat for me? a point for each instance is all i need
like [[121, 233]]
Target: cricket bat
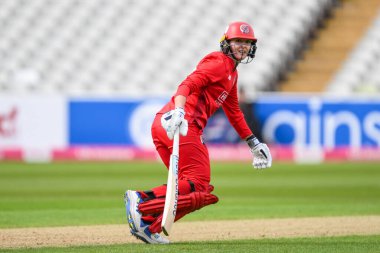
[[171, 198]]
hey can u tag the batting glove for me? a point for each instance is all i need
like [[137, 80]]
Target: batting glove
[[173, 119], [262, 158]]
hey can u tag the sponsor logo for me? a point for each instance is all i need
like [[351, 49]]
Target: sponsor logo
[[176, 188], [316, 123], [139, 123], [8, 123], [222, 97]]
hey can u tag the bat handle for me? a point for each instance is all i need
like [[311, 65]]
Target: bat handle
[[176, 143]]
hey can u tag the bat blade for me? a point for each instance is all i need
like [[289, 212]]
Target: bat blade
[[171, 198]]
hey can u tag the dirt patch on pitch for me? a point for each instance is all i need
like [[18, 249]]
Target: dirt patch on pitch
[[193, 231]]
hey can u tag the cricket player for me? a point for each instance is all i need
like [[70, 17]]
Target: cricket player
[[211, 85]]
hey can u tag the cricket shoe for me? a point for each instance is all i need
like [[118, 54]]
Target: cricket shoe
[[146, 236], [137, 226], [132, 199]]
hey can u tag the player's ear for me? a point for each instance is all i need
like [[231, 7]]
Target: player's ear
[[224, 46]]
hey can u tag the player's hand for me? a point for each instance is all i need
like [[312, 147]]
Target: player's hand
[[174, 119], [262, 158]]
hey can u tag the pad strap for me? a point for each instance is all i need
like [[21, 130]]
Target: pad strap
[[192, 202], [150, 194], [192, 186]]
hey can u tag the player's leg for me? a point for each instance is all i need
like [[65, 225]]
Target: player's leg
[[186, 204], [137, 226], [194, 177], [194, 162]]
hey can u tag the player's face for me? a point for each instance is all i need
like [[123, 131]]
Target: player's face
[[240, 48]]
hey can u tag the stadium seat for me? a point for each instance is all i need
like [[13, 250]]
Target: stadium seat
[[98, 47], [360, 72]]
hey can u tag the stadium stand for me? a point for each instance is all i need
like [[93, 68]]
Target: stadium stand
[[360, 72], [327, 65], [133, 47]]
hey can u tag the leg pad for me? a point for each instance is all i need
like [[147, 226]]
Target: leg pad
[[186, 204]]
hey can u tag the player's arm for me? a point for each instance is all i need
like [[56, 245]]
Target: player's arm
[[180, 101], [235, 115], [209, 70], [262, 157]]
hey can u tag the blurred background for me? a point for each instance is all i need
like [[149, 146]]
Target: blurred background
[[83, 79]]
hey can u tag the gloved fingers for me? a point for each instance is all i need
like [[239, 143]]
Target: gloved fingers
[[268, 156], [173, 119], [260, 163], [165, 120], [171, 130], [174, 123], [258, 166], [269, 162], [256, 163], [262, 156], [183, 128], [170, 135]]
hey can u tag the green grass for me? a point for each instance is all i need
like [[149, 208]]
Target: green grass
[[61, 194], [352, 244]]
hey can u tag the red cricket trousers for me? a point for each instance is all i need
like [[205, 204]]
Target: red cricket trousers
[[194, 162]]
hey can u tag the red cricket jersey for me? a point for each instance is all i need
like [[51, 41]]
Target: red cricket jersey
[[211, 85]]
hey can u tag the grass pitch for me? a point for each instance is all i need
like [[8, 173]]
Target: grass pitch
[[61, 194], [351, 244], [92, 193]]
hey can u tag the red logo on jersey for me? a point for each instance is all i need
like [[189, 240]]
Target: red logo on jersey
[[8, 123], [222, 97]]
